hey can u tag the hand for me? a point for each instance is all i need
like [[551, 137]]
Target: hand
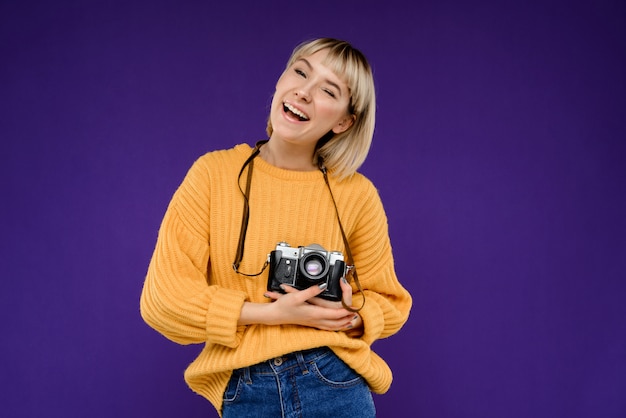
[[355, 327], [303, 307]]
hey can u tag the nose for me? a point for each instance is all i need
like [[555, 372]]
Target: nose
[[303, 92]]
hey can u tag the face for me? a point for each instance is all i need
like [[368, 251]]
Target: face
[[310, 101]]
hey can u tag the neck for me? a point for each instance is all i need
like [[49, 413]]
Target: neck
[[287, 156]]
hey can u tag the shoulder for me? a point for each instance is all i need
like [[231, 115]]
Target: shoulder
[[235, 155], [358, 183], [220, 162], [359, 195], [215, 166]]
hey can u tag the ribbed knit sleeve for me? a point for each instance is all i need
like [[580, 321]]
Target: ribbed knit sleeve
[[387, 302], [176, 299]]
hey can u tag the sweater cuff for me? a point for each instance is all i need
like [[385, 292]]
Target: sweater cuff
[[373, 319], [222, 316]]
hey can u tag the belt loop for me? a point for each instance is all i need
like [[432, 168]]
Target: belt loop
[[246, 375], [301, 362]]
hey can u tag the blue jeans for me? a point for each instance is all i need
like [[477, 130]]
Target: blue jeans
[[305, 384]]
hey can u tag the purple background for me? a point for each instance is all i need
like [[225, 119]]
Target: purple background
[[499, 154]]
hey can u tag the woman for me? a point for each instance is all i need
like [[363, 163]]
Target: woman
[[276, 345]]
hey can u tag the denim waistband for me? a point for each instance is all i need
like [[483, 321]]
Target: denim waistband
[[284, 363]]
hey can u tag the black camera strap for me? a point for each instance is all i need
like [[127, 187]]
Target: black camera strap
[[246, 210], [351, 266], [246, 216]]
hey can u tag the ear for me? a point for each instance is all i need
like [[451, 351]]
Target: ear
[[344, 124]]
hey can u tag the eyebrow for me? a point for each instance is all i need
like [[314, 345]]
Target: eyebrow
[[332, 83]]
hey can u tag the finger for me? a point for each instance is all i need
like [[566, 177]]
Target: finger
[[346, 291], [353, 323], [272, 295], [325, 303], [287, 288], [340, 324], [346, 323], [306, 294]]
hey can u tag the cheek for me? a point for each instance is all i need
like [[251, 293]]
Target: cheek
[[282, 82], [334, 113]]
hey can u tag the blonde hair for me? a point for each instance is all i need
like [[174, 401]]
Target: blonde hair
[[345, 152]]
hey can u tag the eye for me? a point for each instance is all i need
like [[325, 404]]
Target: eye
[[300, 72], [330, 93]]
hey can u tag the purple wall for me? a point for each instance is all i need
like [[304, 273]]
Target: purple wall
[[500, 155]]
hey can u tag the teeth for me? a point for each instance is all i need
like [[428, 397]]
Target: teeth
[[296, 111]]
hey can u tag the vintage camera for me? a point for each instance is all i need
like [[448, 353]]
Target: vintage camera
[[304, 267]]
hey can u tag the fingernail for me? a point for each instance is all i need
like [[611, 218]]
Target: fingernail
[[355, 317], [323, 286], [267, 295], [343, 279]]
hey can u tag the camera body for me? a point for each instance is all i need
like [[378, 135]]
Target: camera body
[[303, 267]]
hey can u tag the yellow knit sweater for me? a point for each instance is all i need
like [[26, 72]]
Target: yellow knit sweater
[[201, 228]]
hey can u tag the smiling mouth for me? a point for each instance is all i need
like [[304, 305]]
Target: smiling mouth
[[287, 108]]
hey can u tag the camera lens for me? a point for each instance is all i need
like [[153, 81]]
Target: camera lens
[[313, 266]]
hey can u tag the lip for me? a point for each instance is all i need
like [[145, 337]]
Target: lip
[[297, 109]]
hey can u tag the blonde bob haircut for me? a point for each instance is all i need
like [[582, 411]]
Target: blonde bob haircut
[[344, 153]]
